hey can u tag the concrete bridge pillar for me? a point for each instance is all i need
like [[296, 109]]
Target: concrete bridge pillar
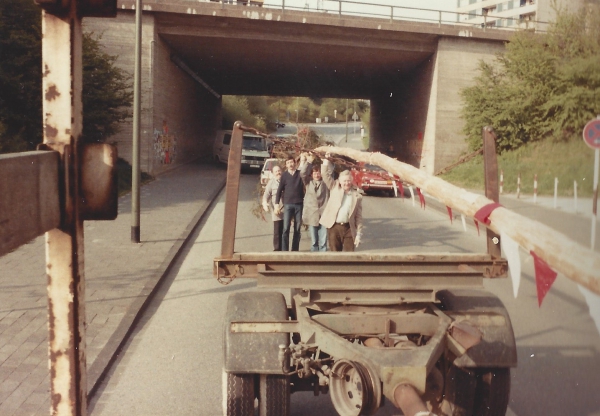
[[420, 116]]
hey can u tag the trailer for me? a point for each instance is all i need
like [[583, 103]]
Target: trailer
[[416, 329]]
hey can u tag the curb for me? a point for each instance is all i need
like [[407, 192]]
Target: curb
[[103, 362]]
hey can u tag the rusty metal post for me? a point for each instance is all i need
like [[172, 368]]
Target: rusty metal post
[[62, 109], [232, 190], [490, 166]]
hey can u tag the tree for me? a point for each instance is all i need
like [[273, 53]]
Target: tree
[[544, 85], [20, 75], [106, 95]]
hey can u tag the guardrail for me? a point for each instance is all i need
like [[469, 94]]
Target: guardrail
[[394, 13]]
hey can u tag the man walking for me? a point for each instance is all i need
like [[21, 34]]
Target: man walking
[[343, 213], [268, 201], [291, 187], [315, 200]]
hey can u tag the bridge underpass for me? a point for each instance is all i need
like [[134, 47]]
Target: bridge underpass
[[411, 72]]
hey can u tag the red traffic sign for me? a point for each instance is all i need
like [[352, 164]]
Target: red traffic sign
[[591, 133]]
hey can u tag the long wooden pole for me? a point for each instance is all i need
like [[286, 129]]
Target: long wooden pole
[[578, 263]]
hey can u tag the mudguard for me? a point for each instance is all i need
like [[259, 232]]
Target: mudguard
[[486, 312], [255, 353]]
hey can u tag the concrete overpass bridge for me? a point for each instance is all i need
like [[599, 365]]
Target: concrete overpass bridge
[[195, 52]]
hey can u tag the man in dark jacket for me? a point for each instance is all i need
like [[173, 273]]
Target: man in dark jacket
[[292, 185]]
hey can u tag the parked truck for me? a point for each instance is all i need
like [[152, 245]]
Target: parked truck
[[415, 329]]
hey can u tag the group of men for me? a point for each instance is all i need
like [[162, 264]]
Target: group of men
[[332, 208]]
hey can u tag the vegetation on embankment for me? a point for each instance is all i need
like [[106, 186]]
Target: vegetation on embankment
[[538, 95], [568, 161]]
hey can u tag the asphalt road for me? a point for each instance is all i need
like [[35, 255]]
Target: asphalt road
[[172, 364]]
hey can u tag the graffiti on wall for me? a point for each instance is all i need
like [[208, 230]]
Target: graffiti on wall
[[165, 145]]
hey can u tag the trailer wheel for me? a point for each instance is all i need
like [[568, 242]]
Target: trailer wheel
[[492, 393], [477, 392], [274, 395], [239, 396]]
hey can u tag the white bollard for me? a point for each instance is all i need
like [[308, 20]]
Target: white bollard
[[555, 193], [519, 186], [575, 196], [535, 188], [501, 181]]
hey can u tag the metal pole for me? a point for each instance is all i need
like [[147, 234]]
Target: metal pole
[[490, 166], [346, 120], [595, 198], [135, 166], [555, 193], [62, 109]]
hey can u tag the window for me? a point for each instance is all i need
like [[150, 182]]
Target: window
[[523, 3], [510, 5], [227, 138], [499, 7], [472, 14], [472, 1], [510, 22]]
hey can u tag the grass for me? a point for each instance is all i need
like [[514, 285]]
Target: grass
[[568, 161]]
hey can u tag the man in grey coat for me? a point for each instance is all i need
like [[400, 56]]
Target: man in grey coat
[[315, 200]]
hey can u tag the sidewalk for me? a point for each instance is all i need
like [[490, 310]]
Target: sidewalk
[[120, 277]]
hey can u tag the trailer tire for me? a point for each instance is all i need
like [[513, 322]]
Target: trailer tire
[[492, 392], [475, 392], [274, 392], [239, 400]]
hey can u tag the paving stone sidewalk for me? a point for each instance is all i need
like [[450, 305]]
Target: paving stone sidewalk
[[120, 276]]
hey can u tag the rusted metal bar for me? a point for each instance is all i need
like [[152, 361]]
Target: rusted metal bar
[[409, 401], [232, 190], [62, 109], [30, 203], [492, 189]]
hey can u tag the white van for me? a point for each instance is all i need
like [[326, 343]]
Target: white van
[[254, 149]]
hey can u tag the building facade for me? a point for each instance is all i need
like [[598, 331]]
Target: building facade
[[511, 14]]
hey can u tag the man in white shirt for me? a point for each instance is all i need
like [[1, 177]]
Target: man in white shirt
[[343, 213]]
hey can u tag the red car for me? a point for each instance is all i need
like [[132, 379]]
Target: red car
[[372, 178]]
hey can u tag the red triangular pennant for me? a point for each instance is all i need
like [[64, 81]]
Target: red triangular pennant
[[421, 198], [544, 277], [449, 213], [482, 215]]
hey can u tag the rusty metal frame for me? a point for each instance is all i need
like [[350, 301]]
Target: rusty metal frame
[[492, 188], [393, 366]]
